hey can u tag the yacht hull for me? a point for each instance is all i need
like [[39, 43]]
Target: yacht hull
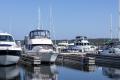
[[9, 57], [45, 57], [48, 57]]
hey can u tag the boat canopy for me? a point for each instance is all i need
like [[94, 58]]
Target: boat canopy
[[39, 34]]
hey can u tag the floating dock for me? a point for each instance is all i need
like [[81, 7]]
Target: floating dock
[[105, 59], [75, 59], [34, 60]]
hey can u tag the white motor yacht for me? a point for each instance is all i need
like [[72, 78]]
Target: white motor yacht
[[39, 43], [9, 51], [83, 44], [62, 45], [113, 48]]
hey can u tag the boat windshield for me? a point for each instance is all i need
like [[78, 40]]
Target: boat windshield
[[81, 38], [6, 38], [39, 34]]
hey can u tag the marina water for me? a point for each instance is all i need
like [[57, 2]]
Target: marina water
[[60, 72]]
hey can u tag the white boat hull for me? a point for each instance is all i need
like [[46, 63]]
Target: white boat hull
[[111, 51], [8, 59], [48, 57], [45, 57]]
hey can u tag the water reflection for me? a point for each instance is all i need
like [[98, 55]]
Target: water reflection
[[85, 68], [113, 73], [42, 72], [68, 71], [9, 72]]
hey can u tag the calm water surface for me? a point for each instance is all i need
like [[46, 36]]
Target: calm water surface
[[59, 72]]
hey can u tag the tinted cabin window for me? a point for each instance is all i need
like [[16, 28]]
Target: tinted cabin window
[[43, 34], [84, 43], [39, 34], [6, 38]]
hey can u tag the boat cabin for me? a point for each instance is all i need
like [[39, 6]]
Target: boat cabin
[[6, 38], [81, 41]]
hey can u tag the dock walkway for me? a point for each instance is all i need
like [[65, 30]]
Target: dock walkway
[[105, 59], [81, 59]]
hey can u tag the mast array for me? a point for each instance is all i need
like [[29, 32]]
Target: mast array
[[51, 24], [39, 20], [119, 21], [111, 27]]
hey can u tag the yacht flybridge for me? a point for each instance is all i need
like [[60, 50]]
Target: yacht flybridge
[[9, 51], [39, 43]]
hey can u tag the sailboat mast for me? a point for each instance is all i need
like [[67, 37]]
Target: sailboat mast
[[10, 25], [51, 25], [39, 19], [51, 22], [119, 22], [111, 26]]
